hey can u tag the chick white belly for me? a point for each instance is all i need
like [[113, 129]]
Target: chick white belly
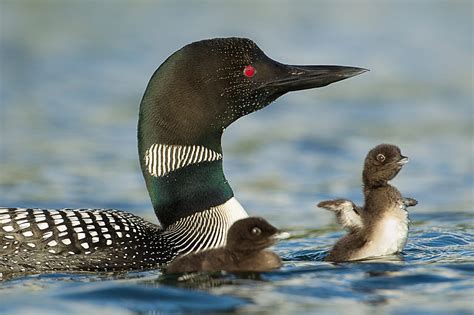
[[389, 236]]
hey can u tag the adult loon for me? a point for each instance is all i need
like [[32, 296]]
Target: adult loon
[[381, 226], [190, 100]]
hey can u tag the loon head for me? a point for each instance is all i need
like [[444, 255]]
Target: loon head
[[190, 100], [382, 164], [205, 86], [251, 234]]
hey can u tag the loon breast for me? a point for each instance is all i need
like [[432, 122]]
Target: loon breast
[[389, 235], [206, 229]]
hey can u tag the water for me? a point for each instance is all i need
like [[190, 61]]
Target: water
[[72, 76]]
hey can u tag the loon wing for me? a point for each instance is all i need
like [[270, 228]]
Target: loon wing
[[79, 239], [347, 213]]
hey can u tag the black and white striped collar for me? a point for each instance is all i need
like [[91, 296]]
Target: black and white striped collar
[[205, 229], [161, 159]]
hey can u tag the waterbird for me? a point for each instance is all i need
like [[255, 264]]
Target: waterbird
[[380, 227], [244, 250], [190, 100]]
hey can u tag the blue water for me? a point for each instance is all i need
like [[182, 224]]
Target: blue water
[[71, 78]]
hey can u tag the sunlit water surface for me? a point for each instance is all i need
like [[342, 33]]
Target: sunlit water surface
[[72, 76]]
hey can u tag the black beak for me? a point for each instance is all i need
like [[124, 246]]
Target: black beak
[[295, 78]]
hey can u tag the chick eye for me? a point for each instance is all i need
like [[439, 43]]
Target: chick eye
[[380, 157], [249, 71], [256, 231]]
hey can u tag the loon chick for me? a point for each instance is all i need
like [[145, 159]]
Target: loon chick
[[381, 226], [190, 100], [244, 251]]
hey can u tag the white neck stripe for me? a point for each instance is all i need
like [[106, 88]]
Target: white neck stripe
[[161, 159]]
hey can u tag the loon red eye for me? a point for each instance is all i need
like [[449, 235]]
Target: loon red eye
[[249, 71]]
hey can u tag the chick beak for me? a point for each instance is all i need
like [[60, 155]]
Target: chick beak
[[281, 235], [403, 160]]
